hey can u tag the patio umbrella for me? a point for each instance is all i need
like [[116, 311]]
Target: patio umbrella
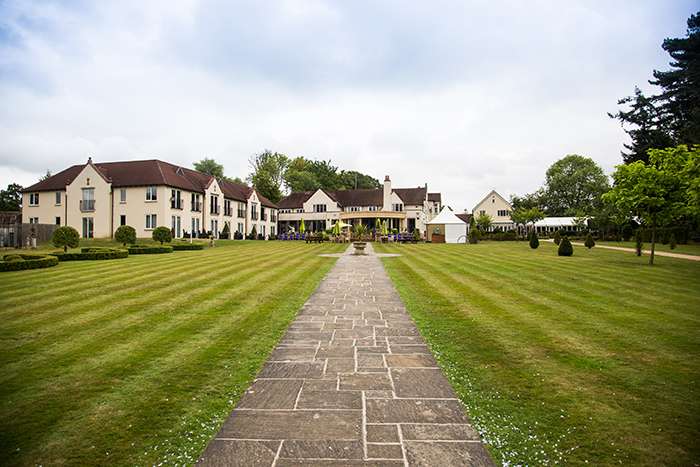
[[385, 231], [336, 228], [378, 226], [302, 229]]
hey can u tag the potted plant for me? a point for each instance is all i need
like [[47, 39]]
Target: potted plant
[[360, 244], [438, 236]]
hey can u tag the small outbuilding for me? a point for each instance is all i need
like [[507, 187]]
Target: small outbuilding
[[452, 227]]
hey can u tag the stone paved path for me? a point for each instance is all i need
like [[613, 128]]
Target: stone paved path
[[351, 383]]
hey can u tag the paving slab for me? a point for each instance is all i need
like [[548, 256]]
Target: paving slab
[[351, 383]]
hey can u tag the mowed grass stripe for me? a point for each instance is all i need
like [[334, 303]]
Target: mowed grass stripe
[[180, 349], [594, 370]]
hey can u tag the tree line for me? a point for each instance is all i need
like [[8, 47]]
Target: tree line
[[273, 175]]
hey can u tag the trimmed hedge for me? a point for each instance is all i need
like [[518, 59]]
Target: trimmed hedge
[[12, 263], [187, 246], [149, 249], [91, 254]]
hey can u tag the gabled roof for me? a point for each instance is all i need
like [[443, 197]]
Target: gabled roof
[[435, 197], [345, 198], [149, 173], [493, 192], [295, 200], [371, 197]]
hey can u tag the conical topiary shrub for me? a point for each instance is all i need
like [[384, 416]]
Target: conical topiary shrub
[[534, 241], [565, 247], [672, 242], [557, 238], [590, 243]]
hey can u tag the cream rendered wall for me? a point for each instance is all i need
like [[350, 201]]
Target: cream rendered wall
[[47, 211], [136, 208], [102, 215], [213, 189], [320, 197], [491, 205]]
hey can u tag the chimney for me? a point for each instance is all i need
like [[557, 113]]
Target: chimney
[[386, 200]]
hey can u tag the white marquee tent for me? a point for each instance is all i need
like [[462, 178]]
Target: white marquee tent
[[454, 228]]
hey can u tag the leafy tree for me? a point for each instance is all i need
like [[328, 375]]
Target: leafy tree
[[162, 234], [565, 247], [672, 117], [268, 174], [302, 180], [484, 221], [11, 199], [529, 201], [210, 167], [573, 186], [125, 234], [534, 241], [655, 192], [326, 174], [590, 243], [46, 176], [66, 237], [533, 215], [353, 180], [519, 218]]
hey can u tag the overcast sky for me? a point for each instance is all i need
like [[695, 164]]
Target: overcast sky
[[464, 95]]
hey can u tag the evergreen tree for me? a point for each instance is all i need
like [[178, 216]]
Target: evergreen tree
[[639, 245], [557, 237], [565, 247], [672, 242], [590, 243], [534, 241]]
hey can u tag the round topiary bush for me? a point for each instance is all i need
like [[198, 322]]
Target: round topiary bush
[[125, 234], [590, 243], [565, 247], [162, 234], [534, 241], [66, 237]]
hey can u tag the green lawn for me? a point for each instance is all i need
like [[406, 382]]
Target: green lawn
[[585, 360], [137, 361]]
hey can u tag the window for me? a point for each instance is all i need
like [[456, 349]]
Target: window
[[254, 211], [151, 193], [196, 205], [175, 200], [58, 221], [151, 221], [319, 208], [272, 231], [262, 215], [354, 208], [58, 197], [214, 208], [122, 198], [122, 219], [33, 220], [503, 213], [372, 208], [87, 204], [175, 225], [262, 230], [397, 207], [88, 224], [215, 227], [195, 225], [34, 199], [241, 210], [482, 212], [273, 216], [239, 229], [227, 208]]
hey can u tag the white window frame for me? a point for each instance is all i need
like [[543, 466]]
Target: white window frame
[[58, 198], [151, 193], [151, 221], [34, 199], [122, 196]]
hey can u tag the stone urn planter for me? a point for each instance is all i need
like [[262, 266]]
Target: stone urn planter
[[359, 248]]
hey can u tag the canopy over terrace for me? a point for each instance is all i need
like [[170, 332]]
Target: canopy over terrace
[[552, 224]]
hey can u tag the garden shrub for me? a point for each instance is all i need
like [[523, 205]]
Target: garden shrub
[[557, 237], [672, 242], [92, 254], [626, 232], [162, 234], [20, 262], [510, 235], [66, 237], [125, 234], [565, 247], [590, 243], [187, 246], [149, 249], [681, 233], [534, 241]]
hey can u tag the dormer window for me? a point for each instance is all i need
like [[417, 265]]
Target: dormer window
[[179, 171]]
